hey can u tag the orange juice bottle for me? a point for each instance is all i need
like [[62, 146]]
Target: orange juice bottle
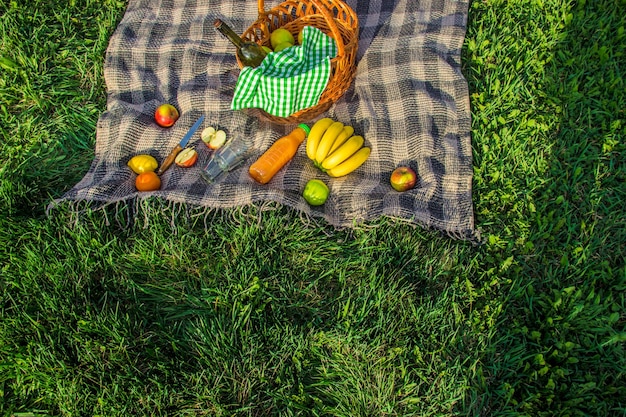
[[278, 155]]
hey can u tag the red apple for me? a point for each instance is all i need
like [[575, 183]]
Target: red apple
[[403, 178], [166, 115]]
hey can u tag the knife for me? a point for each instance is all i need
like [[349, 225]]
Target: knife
[[183, 142]]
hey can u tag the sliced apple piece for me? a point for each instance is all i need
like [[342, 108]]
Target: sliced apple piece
[[214, 139], [186, 158]]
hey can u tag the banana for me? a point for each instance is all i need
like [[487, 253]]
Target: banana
[[315, 135], [333, 147], [327, 141], [350, 164], [344, 152], [345, 134]]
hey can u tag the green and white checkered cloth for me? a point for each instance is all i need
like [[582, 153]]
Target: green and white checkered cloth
[[289, 80]]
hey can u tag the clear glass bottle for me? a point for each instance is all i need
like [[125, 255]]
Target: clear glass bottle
[[250, 53]]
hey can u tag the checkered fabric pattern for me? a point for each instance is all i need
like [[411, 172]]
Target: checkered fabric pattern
[[289, 80], [409, 100]]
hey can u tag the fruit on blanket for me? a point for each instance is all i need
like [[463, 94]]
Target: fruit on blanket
[[142, 163], [345, 134], [186, 158], [344, 152], [212, 138], [267, 49], [334, 149], [281, 35], [148, 181], [327, 141], [350, 164], [403, 178], [315, 136], [315, 192], [166, 115]]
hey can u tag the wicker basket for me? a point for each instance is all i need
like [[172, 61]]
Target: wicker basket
[[333, 17]]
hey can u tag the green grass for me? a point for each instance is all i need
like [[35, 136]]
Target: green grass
[[252, 312]]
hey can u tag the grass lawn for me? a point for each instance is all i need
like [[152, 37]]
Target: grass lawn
[[252, 312]]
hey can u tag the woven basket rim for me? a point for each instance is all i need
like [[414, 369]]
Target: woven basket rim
[[343, 65]]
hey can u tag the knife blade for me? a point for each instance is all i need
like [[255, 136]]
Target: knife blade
[[183, 142]]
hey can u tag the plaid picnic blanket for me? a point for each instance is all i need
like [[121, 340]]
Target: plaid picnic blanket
[[409, 100]]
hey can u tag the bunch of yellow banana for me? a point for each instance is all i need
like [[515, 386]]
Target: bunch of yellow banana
[[334, 149]]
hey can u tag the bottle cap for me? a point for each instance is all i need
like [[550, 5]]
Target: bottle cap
[[306, 128]]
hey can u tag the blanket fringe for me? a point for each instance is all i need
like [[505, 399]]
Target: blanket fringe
[[139, 212]]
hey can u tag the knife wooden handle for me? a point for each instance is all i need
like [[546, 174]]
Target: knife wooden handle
[[169, 160]]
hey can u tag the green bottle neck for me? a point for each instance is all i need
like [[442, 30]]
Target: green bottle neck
[[228, 33]]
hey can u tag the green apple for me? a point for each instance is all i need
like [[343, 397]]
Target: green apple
[[315, 192], [282, 46], [279, 36], [300, 36]]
